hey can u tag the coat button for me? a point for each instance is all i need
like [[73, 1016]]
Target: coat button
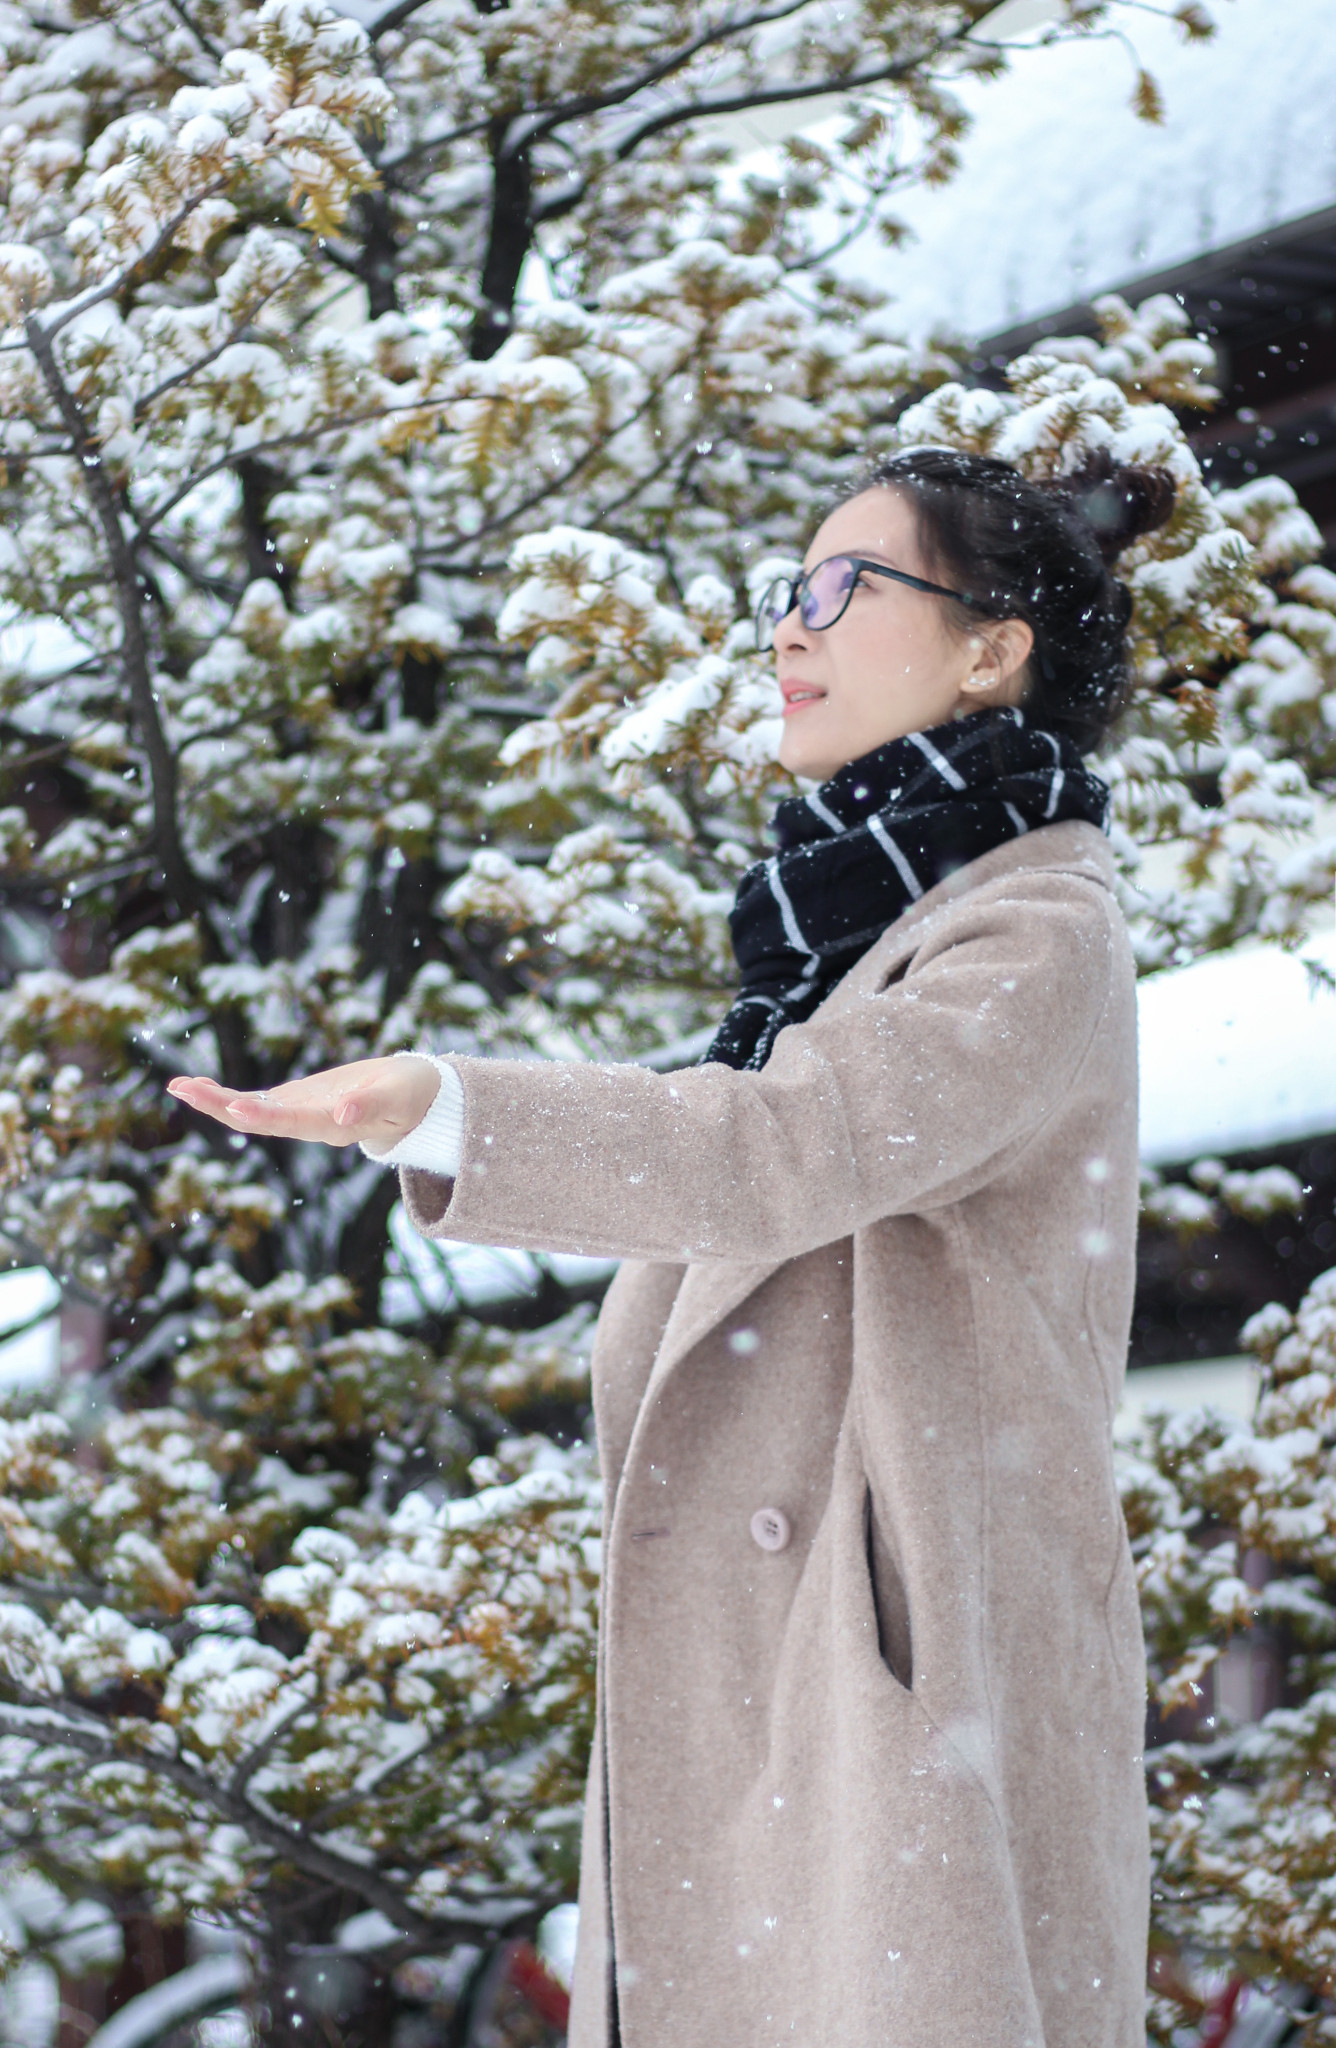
[[770, 1527]]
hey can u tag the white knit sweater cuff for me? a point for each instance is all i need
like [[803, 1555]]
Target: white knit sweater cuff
[[436, 1144]]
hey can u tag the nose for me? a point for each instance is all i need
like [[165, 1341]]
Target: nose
[[790, 632]]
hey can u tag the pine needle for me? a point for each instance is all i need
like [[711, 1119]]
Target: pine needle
[[1195, 22], [1147, 100]]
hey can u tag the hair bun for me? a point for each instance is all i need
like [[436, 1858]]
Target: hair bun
[[1117, 502]]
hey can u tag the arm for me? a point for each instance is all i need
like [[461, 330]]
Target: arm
[[896, 1100]]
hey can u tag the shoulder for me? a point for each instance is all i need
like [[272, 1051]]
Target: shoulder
[[1030, 898], [1030, 936]]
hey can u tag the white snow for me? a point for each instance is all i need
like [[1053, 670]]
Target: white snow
[[1063, 193], [473, 1274], [556, 1942], [155, 2013], [1226, 1383], [1236, 1052], [30, 1360], [372, 1929]]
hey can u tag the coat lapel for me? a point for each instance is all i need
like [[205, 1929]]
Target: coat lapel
[[712, 1288], [710, 1291]]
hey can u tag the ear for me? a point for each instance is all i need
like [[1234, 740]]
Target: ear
[[999, 653]]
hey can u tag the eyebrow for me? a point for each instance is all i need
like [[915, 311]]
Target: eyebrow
[[872, 555]]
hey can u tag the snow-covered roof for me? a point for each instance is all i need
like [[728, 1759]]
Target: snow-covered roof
[[1227, 1383], [1237, 1052], [1064, 193]]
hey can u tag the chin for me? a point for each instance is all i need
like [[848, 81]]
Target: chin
[[811, 762], [808, 767]]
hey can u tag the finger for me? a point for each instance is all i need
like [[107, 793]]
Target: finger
[[201, 1095], [266, 1116], [257, 1107], [192, 1087], [259, 1114], [296, 1110]]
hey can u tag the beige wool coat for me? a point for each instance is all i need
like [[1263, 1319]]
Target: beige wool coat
[[867, 1771]]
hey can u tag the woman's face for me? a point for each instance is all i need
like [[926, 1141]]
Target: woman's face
[[891, 665]]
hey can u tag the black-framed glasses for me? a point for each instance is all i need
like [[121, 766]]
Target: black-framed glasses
[[822, 594]]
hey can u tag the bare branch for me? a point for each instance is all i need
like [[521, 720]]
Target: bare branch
[[773, 96], [227, 587], [581, 107], [429, 144], [206, 43], [190, 370], [147, 521], [542, 122], [134, 652], [559, 482], [84, 885], [292, 1844], [122, 280], [254, 1759]]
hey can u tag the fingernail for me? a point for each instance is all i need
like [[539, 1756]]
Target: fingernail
[[348, 1113]]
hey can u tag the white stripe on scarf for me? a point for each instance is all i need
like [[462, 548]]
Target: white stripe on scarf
[[938, 761], [1059, 777], [792, 929], [824, 812], [894, 855]]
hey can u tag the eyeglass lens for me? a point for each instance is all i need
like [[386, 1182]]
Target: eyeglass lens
[[820, 598], [827, 592]]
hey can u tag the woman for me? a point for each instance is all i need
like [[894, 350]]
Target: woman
[[867, 1770]]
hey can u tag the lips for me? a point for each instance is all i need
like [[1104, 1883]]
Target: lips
[[796, 694]]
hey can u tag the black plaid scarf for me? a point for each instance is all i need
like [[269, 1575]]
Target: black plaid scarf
[[859, 850]]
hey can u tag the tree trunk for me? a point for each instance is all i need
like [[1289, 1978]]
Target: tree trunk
[[509, 238]]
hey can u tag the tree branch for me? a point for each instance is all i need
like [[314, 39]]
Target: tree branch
[[427, 147], [559, 482], [254, 1759], [586, 104], [152, 518], [778, 95], [134, 652], [121, 280], [206, 43], [217, 585], [190, 370], [48, 1723], [544, 121]]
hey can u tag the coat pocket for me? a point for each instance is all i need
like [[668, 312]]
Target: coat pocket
[[894, 1634]]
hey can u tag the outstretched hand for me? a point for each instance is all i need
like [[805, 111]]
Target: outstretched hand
[[371, 1102]]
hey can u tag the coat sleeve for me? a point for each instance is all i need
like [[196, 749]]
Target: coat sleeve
[[899, 1100]]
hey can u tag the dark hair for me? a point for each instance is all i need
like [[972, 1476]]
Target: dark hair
[[1042, 552]]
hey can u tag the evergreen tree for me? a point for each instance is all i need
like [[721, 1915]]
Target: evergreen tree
[[396, 686]]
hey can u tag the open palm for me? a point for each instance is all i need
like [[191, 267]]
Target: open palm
[[372, 1102]]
